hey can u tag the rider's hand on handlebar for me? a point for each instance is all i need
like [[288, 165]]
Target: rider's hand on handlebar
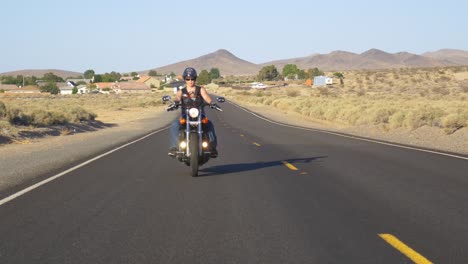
[[214, 106], [172, 107]]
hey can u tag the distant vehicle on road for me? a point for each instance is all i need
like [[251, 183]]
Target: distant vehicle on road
[[257, 85]]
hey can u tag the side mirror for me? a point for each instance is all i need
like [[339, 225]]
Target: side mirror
[[220, 99], [166, 98]]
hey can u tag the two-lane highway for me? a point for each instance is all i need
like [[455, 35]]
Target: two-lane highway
[[276, 194]]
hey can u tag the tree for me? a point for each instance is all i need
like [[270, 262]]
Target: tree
[[302, 75], [51, 77], [153, 73], [88, 74], [290, 70], [340, 76], [97, 78], [214, 73], [133, 74], [311, 73], [268, 73], [75, 90], [203, 78], [50, 88]]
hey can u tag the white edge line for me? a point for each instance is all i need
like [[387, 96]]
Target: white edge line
[[352, 137], [32, 187]]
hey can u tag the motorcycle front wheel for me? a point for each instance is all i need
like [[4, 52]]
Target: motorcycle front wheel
[[194, 154]]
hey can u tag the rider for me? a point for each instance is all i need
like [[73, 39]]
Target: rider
[[191, 91]]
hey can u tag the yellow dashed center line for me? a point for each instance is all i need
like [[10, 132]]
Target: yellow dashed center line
[[289, 165], [256, 144], [407, 251]]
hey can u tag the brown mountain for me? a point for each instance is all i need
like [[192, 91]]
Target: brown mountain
[[371, 59], [229, 64], [226, 62], [457, 56], [40, 73]]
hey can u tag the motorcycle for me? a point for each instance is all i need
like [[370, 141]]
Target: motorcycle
[[193, 145]]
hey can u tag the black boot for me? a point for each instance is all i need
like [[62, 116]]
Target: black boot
[[172, 152], [214, 153]]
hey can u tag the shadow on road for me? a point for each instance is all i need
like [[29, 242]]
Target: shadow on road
[[241, 167]]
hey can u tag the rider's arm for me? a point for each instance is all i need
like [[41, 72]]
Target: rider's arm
[[205, 95], [178, 97]]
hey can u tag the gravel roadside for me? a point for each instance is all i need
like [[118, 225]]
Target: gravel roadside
[[20, 164]]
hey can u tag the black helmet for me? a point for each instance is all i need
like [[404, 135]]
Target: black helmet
[[189, 72]]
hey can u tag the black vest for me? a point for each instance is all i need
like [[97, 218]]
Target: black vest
[[189, 100]]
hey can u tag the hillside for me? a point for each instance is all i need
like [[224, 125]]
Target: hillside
[[371, 59], [226, 62], [39, 73], [229, 64], [452, 55]]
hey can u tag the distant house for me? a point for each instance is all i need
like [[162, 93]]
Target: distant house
[[7, 87], [66, 88], [130, 87], [126, 78], [28, 89], [82, 89], [76, 81], [104, 87], [322, 80], [150, 81], [177, 85]]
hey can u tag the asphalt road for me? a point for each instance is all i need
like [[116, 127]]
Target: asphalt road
[[348, 201]]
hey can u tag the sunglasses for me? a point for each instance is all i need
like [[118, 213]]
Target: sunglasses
[[191, 79]]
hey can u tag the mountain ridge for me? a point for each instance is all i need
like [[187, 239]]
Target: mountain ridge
[[338, 60]]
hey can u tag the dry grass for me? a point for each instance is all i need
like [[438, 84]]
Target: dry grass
[[400, 98], [20, 111]]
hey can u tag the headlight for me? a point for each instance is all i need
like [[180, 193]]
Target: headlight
[[193, 112]]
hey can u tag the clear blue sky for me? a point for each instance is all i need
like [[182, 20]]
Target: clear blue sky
[[125, 36]]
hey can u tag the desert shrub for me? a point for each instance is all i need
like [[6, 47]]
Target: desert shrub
[[293, 93], [3, 110], [323, 91], [2, 91], [381, 115], [426, 115], [258, 93], [268, 101], [361, 92], [4, 125], [396, 120], [464, 86], [77, 114], [18, 117], [47, 118], [243, 93], [440, 90], [453, 122]]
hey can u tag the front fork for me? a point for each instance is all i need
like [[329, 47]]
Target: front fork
[[200, 135]]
